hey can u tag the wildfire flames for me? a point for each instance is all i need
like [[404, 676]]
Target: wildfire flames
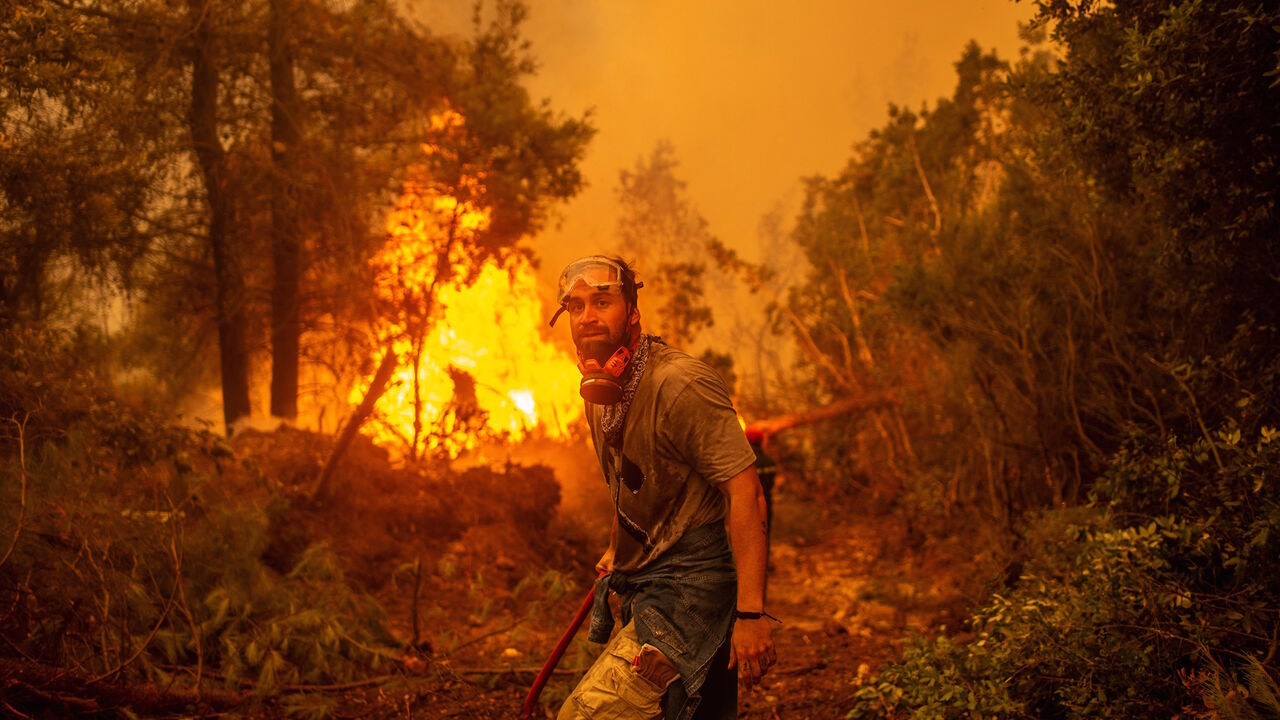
[[487, 335], [472, 363]]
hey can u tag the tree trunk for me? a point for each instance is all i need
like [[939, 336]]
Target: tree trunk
[[286, 241], [203, 120]]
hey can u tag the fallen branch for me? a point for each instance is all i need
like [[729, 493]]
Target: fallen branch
[[45, 684], [321, 489], [770, 426], [22, 478], [308, 687]]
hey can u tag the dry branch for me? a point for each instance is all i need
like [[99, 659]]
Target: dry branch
[[862, 229], [379, 385], [22, 478], [59, 685], [928, 191], [848, 405], [815, 353], [864, 350]]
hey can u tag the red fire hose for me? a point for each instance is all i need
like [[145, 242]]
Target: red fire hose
[[532, 700]]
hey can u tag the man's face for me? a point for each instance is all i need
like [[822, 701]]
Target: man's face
[[598, 314]]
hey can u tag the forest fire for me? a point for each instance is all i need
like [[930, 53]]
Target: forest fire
[[1008, 355], [473, 364]]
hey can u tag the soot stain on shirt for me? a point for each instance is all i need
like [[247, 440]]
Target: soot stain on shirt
[[632, 475]]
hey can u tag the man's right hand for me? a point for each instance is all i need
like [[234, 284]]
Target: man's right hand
[[605, 565]]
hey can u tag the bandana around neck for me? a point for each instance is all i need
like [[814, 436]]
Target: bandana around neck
[[615, 416]]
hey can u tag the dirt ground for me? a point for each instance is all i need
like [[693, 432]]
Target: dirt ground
[[847, 588], [480, 568]]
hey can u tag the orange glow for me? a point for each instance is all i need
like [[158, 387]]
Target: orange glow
[[483, 369]]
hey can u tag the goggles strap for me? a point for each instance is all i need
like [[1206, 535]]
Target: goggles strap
[[556, 317]]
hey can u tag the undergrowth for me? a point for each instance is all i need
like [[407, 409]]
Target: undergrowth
[[1158, 599], [132, 550]]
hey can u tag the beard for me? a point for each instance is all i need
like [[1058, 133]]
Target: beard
[[599, 334]]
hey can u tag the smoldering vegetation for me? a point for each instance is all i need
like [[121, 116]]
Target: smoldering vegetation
[[158, 569]]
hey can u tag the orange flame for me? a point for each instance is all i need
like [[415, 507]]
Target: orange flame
[[489, 331], [482, 368]]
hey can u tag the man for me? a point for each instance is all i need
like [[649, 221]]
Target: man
[[686, 555]]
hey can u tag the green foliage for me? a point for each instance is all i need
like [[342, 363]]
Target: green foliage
[[1169, 109], [80, 146], [137, 548], [1156, 601], [1255, 699], [937, 281], [1078, 314], [527, 153]]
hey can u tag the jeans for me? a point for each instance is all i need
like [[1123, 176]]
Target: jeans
[[682, 603]]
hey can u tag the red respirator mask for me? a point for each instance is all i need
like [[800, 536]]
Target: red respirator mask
[[603, 364]]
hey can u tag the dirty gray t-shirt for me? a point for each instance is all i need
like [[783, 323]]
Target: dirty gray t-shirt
[[681, 439]]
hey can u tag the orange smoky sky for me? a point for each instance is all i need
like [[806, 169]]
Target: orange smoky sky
[[753, 94]]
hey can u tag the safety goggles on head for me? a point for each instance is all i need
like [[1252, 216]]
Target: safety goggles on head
[[595, 271]]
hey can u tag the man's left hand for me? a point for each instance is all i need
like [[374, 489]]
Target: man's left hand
[[752, 651]]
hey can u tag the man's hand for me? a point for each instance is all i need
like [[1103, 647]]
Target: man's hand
[[752, 650], [605, 564]]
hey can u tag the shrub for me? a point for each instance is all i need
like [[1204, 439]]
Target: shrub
[[1158, 600], [132, 549]]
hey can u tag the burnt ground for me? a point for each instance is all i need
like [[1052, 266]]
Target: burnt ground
[[849, 588], [480, 569]]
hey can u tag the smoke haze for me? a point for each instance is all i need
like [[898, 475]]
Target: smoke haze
[[754, 94]]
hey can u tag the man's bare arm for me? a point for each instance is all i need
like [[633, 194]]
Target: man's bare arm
[[753, 650]]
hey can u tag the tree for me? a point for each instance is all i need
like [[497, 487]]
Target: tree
[[249, 130], [1115, 309], [286, 230], [494, 165], [660, 228], [1171, 107], [81, 158], [231, 310]]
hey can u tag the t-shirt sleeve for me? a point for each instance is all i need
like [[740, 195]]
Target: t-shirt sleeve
[[702, 427]]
